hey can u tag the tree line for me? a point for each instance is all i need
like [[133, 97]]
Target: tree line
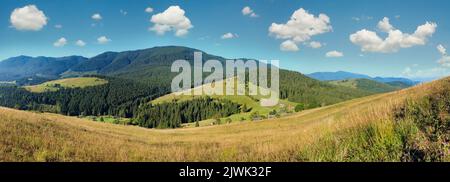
[[173, 114], [121, 98]]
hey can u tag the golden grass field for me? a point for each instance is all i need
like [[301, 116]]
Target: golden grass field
[[79, 82], [28, 136]]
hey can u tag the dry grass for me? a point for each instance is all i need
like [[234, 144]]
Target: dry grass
[[79, 82], [30, 136]]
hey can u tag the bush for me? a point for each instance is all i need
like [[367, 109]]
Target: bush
[[299, 107], [255, 116], [273, 112], [217, 121]]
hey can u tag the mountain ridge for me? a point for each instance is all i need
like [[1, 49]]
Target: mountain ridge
[[343, 75]]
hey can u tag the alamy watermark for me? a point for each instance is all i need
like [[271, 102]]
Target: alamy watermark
[[241, 77]]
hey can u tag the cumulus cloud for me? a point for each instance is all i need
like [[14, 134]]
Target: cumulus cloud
[[445, 59], [58, 26], [28, 18], [229, 36], [103, 40], [334, 54], [288, 45], [425, 73], [369, 41], [247, 11], [301, 27], [80, 43], [96, 17], [60, 42], [172, 19], [149, 9], [315, 44], [384, 25]]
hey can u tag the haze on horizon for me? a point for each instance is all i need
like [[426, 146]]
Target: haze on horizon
[[364, 37]]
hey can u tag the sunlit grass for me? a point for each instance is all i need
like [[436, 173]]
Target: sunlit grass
[[55, 85], [332, 133]]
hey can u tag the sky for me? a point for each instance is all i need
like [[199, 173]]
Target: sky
[[377, 38]]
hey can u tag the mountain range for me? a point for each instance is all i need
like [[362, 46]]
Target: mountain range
[[342, 75], [20, 67], [134, 64], [152, 67]]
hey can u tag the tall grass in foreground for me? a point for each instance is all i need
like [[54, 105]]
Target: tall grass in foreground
[[417, 130], [406, 125]]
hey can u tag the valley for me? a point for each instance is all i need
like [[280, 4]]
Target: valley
[[117, 84], [117, 106], [333, 133]]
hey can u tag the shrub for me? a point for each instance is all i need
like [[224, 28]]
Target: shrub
[[299, 107]]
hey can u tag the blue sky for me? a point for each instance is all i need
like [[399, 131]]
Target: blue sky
[[210, 20]]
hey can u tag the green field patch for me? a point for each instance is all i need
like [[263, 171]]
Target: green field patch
[[55, 85]]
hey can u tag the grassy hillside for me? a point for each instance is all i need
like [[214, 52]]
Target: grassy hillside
[[55, 85], [366, 85], [383, 127], [152, 66], [251, 103]]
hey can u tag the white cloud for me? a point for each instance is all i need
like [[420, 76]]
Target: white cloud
[[445, 59], [369, 41], [442, 49], [384, 25], [334, 54], [301, 27], [425, 73], [58, 26], [315, 44], [96, 17], [103, 40], [123, 12], [248, 11], [172, 18], [60, 42], [80, 43], [149, 9], [288, 45], [28, 18], [229, 36]]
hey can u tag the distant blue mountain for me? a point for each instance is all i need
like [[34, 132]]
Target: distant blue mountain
[[339, 75], [342, 75], [20, 67], [395, 79]]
